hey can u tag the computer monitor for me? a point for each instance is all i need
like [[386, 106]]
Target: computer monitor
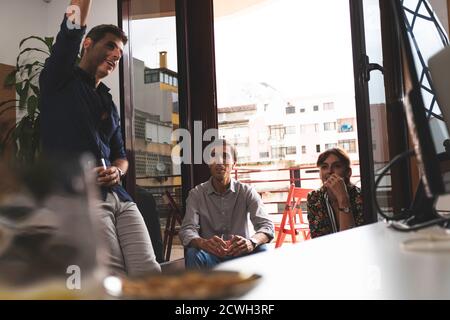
[[428, 160]]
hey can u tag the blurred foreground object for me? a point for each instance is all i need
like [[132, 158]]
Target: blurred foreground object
[[188, 285], [48, 234]]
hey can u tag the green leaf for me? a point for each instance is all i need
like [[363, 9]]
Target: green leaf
[[10, 79], [32, 105], [19, 88], [23, 96], [25, 134], [28, 50], [30, 66], [32, 37], [49, 43], [35, 89]]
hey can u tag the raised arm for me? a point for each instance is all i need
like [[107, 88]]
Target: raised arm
[[59, 66], [78, 15]]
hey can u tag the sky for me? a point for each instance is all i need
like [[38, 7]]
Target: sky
[[271, 43], [298, 47]]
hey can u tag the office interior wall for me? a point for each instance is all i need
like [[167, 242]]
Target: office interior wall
[[19, 19], [440, 7]]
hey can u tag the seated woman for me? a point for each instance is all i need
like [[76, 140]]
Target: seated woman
[[337, 205]]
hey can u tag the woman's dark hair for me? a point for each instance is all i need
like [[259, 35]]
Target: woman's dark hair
[[340, 154], [98, 33]]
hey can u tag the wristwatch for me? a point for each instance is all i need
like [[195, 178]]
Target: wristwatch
[[345, 209], [254, 243]]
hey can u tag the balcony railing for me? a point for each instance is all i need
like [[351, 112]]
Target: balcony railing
[[271, 183]]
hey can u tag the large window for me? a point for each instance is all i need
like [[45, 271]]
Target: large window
[[155, 96], [309, 128], [330, 145], [329, 126], [290, 110], [291, 130], [291, 150], [348, 145], [277, 132], [294, 93], [327, 106], [346, 125]]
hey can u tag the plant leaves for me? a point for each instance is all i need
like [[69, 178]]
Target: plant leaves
[[19, 88], [23, 95], [28, 50], [30, 66], [32, 105], [49, 43], [35, 89], [25, 134], [10, 79], [32, 37]]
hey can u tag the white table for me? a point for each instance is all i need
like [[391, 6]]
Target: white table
[[363, 263]]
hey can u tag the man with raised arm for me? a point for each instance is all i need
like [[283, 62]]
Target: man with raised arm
[[78, 116]]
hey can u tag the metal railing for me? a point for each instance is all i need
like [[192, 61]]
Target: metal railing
[[276, 181]]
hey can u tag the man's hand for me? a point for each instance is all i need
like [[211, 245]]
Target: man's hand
[[215, 246], [239, 246], [107, 177], [336, 185]]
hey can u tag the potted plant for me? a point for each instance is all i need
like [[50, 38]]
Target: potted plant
[[24, 135]]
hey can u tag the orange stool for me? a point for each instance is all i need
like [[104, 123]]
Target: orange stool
[[292, 221]]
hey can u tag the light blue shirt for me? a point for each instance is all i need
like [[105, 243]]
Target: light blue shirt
[[209, 213]]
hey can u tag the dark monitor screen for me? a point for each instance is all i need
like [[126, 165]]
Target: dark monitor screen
[[416, 116]]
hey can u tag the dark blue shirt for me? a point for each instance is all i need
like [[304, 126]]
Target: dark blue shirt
[[72, 108]]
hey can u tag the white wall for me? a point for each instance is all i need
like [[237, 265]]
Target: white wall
[[19, 19]]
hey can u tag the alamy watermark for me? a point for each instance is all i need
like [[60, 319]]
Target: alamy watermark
[[74, 13], [184, 153], [73, 281]]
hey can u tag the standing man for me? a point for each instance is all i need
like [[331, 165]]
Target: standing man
[[215, 227], [78, 115]]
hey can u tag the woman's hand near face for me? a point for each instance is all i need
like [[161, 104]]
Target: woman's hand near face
[[336, 185]]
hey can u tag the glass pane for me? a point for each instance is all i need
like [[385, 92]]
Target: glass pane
[[285, 84], [427, 37], [156, 112], [377, 101]]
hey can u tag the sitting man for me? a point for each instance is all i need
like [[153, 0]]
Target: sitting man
[[215, 227], [337, 205]]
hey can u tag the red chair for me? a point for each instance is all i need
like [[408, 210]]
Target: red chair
[[292, 221], [174, 216]]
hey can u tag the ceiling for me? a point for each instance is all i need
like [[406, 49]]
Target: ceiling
[[144, 9]]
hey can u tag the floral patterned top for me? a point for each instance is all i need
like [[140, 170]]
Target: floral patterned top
[[318, 217]]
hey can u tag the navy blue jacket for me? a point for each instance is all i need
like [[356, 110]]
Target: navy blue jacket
[[71, 108]]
